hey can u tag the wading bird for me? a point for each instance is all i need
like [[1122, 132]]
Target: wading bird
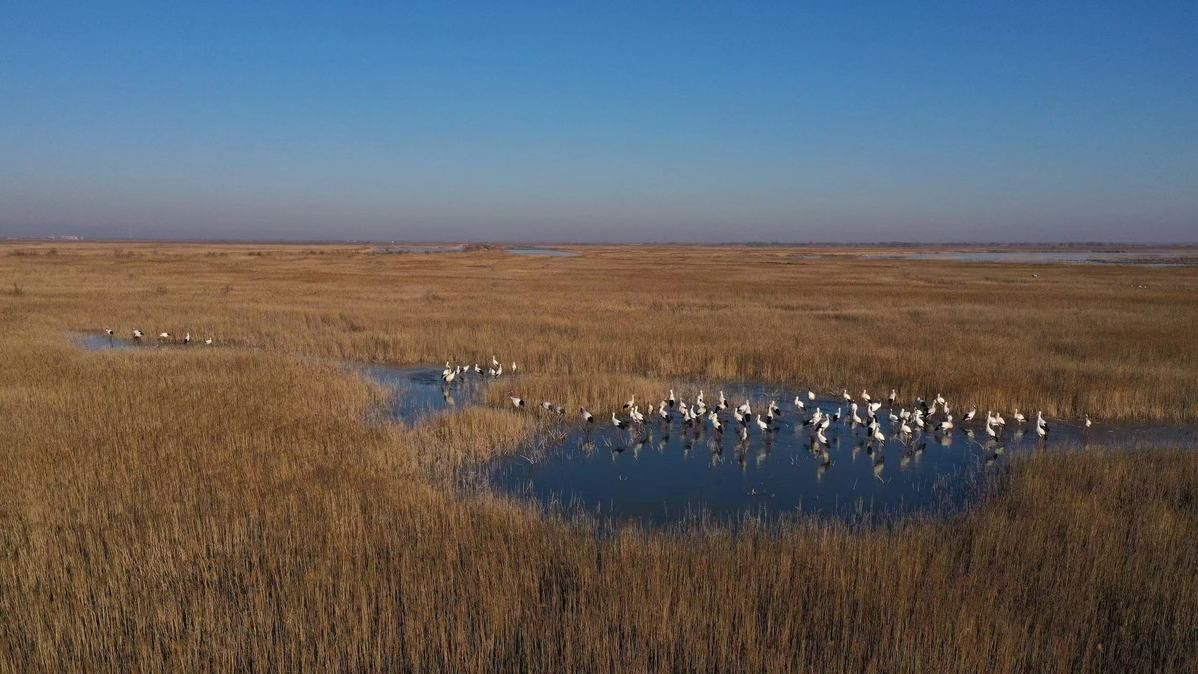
[[516, 402], [763, 425]]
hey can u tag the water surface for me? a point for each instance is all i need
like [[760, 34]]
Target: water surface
[[548, 252], [1148, 258], [416, 392], [663, 473]]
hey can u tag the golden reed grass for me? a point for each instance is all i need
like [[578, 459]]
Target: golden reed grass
[[235, 509]]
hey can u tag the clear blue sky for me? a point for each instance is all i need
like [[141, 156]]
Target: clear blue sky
[[601, 121]]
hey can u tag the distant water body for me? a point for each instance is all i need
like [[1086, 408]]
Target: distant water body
[[1149, 258], [547, 252]]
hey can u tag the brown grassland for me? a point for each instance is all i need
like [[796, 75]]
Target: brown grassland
[[233, 508]]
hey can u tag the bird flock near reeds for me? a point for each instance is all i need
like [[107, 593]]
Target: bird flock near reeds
[[137, 336], [873, 422]]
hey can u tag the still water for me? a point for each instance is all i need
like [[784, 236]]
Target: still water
[[1147, 258], [664, 473], [416, 392]]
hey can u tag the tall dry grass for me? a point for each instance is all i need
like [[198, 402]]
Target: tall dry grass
[[237, 509], [1109, 340]]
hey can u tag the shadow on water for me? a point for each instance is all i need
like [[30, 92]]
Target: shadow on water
[[669, 473]]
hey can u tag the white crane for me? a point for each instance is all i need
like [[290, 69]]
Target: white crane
[[615, 421], [516, 402], [586, 416]]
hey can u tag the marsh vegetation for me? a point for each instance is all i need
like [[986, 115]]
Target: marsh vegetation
[[237, 508]]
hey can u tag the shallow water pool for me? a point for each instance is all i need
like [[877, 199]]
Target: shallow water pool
[[668, 472]]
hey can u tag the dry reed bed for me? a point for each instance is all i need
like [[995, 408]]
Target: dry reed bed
[[220, 541], [229, 509], [1077, 339]]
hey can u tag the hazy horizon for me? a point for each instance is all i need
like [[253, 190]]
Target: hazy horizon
[[942, 123]]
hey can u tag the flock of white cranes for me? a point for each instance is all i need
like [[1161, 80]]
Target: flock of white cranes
[[933, 416], [864, 420], [453, 373], [164, 337]]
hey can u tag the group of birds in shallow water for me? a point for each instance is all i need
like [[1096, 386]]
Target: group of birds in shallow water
[[452, 373], [932, 417], [164, 337]]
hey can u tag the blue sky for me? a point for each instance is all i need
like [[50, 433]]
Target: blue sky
[[789, 121]]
